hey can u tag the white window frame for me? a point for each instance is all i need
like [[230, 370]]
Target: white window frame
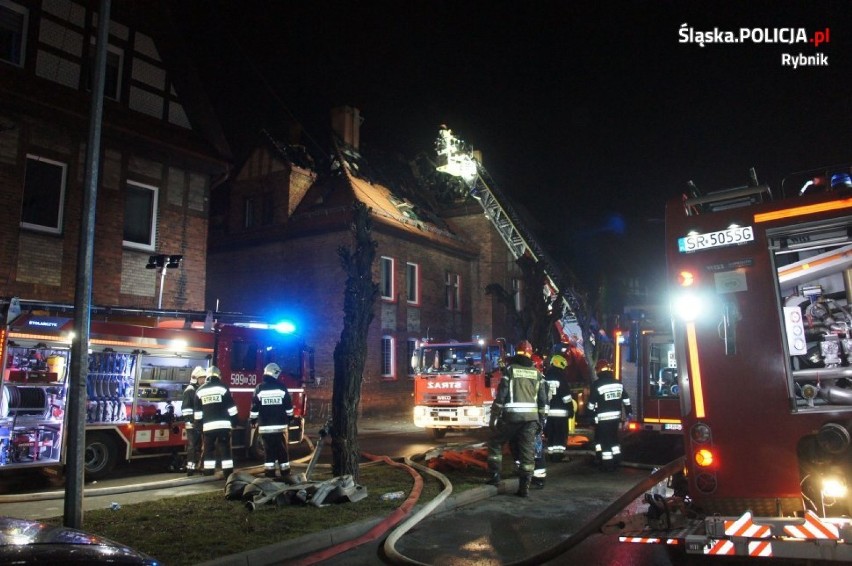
[[386, 278], [412, 279], [14, 7], [388, 361], [152, 244], [61, 204]]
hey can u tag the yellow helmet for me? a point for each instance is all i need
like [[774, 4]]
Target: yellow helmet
[[559, 361]]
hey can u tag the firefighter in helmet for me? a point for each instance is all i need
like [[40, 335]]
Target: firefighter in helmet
[[518, 411], [271, 410], [607, 399], [216, 411], [561, 408], [187, 410]]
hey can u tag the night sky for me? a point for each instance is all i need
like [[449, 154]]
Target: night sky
[[591, 114]]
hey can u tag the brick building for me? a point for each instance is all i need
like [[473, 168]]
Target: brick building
[[161, 150], [275, 232]]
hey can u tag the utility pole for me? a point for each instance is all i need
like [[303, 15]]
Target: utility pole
[[76, 452]]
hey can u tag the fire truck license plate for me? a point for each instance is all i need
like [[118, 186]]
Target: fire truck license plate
[[729, 237]]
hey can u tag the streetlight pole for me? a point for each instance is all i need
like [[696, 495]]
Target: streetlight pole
[[162, 263]]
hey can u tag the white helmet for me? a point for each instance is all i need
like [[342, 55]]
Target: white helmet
[[213, 371], [196, 373], [272, 369]]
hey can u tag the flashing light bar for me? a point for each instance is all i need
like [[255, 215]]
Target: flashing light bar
[[795, 211]]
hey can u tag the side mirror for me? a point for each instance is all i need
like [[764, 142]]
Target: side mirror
[[415, 363]]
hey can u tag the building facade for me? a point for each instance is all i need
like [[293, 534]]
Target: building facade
[[274, 242], [161, 150]]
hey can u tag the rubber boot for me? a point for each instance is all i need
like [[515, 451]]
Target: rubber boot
[[538, 483], [494, 479], [524, 486]]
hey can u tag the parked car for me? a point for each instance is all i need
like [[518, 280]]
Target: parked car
[[32, 542]]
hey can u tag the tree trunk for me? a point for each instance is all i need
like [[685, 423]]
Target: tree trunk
[[350, 353]]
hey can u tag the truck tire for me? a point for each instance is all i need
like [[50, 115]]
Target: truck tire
[[101, 455], [438, 433]]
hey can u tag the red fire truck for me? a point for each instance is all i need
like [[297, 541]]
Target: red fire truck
[[139, 364], [762, 307], [657, 407], [455, 384]]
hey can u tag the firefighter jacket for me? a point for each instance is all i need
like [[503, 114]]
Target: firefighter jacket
[[187, 406], [271, 406], [522, 393], [560, 403], [214, 406], [607, 398]]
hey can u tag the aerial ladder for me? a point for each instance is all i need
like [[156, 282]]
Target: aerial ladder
[[461, 162]]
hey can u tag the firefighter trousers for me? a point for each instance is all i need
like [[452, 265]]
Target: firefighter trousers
[[217, 443], [193, 449], [523, 433], [607, 447], [275, 451]]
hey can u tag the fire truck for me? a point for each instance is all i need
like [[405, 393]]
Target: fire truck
[[762, 318], [455, 384], [139, 363], [657, 406]]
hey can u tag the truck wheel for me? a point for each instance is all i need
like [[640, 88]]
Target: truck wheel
[[101, 455], [438, 433]]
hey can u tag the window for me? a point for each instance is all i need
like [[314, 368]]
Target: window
[[13, 32], [386, 283], [412, 283], [248, 212], [411, 350], [44, 194], [140, 216], [387, 356], [112, 72], [244, 356], [518, 294], [452, 298]]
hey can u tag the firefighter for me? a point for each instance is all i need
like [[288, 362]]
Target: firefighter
[[216, 411], [518, 412], [271, 409], [606, 400], [561, 408], [187, 409]]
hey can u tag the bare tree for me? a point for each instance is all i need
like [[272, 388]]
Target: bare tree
[[350, 353]]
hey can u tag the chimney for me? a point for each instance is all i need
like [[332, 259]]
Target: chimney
[[346, 123]]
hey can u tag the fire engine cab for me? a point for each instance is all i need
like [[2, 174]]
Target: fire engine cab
[[455, 384], [761, 295], [139, 363]]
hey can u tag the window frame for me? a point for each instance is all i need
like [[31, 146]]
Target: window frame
[[409, 281], [452, 291], [60, 213], [116, 96], [152, 244], [22, 44], [387, 284], [388, 357]]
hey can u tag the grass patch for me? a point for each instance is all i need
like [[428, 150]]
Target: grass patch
[[177, 530]]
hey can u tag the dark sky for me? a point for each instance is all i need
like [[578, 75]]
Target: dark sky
[[582, 109]]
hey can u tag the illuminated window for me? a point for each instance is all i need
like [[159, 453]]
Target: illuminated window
[[13, 32], [452, 296], [387, 283], [44, 194], [140, 216], [412, 283], [387, 357], [411, 349]]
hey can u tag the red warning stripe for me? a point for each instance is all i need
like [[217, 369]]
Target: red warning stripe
[[813, 528], [745, 527], [650, 540], [721, 548], [760, 548]]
